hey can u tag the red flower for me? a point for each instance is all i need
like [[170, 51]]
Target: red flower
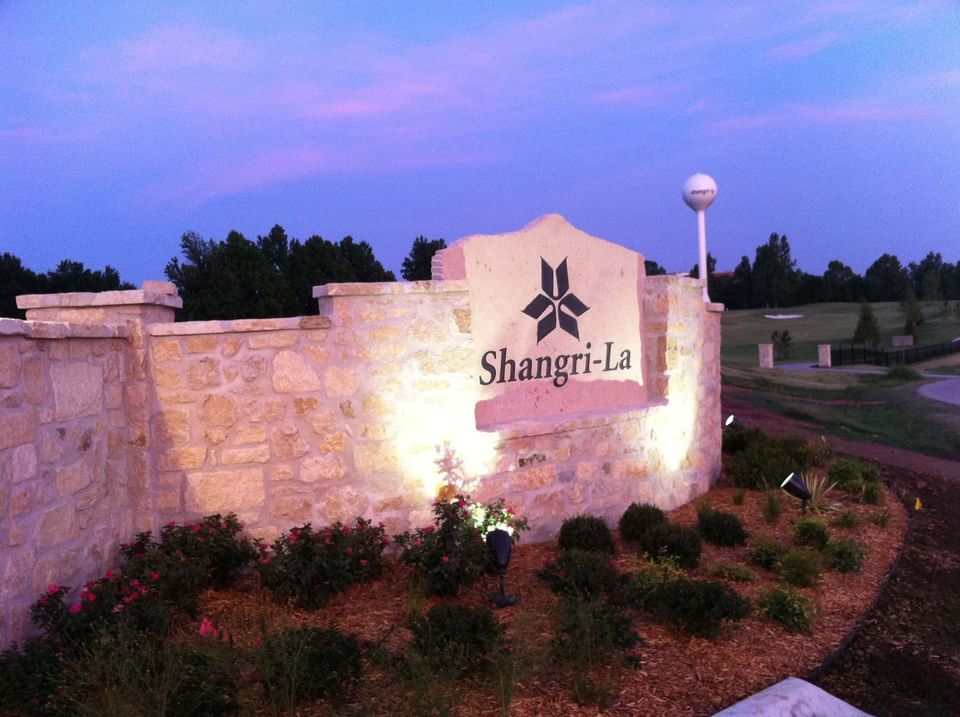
[[428, 529], [257, 642], [108, 575], [88, 596], [445, 559], [206, 628], [44, 602], [346, 529], [197, 528], [364, 563], [154, 575], [52, 589], [75, 608], [386, 540], [264, 561], [349, 551]]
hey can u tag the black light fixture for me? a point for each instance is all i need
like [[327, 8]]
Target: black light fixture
[[794, 485], [501, 545]]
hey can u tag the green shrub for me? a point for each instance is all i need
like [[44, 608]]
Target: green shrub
[[734, 572], [799, 567], [881, 519], [651, 577], [457, 637], [812, 532], [588, 631], [672, 541], [213, 544], [737, 437], [719, 528], [699, 607], [578, 573], [638, 519], [763, 462], [298, 666], [848, 520], [872, 492], [586, 532], [902, 374], [846, 471], [307, 566], [31, 675], [788, 607], [765, 552], [771, 507], [844, 555]]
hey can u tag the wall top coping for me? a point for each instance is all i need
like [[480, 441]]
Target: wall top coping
[[382, 288], [86, 299], [61, 330], [192, 328]]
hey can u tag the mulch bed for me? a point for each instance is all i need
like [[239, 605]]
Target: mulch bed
[[679, 675]]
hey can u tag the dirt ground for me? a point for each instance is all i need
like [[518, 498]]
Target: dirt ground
[[906, 660]]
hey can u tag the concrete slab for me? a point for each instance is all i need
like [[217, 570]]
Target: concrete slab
[[792, 697]]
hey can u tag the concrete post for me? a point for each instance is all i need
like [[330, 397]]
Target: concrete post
[[766, 355], [824, 358]]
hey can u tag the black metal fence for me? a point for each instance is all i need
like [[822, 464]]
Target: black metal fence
[[859, 353]]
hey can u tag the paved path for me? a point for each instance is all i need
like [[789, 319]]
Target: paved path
[[946, 390]]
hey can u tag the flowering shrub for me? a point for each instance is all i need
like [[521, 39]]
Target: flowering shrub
[[308, 566], [584, 575], [452, 552]]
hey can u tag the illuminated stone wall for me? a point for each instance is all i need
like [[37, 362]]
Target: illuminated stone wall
[[123, 420]]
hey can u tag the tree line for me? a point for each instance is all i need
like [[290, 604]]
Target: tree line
[[274, 275]]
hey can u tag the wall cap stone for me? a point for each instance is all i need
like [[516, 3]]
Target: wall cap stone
[[61, 330], [86, 299], [458, 286], [192, 328]]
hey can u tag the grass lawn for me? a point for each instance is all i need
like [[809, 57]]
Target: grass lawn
[[820, 324]]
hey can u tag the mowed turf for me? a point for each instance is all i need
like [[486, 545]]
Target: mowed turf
[[821, 324]]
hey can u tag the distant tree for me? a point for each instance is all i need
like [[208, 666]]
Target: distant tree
[[774, 274], [810, 289], [15, 279], [912, 313], [782, 343], [841, 283], [652, 268], [885, 279], [417, 266], [711, 267], [868, 330]]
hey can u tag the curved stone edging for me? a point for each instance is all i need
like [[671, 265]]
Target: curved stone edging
[[817, 672]]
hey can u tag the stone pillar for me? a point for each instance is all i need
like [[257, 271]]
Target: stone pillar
[[823, 356], [155, 302], [766, 355]]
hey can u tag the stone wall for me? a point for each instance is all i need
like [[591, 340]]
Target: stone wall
[[123, 420], [66, 500]]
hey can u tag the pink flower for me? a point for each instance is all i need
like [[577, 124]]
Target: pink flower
[[224, 634], [445, 559], [257, 642], [171, 524], [154, 575], [346, 529], [206, 628], [349, 551], [364, 563], [52, 589], [44, 602], [417, 543], [386, 540], [88, 596], [428, 529], [108, 575], [197, 528], [136, 583], [75, 608], [293, 538], [264, 561]]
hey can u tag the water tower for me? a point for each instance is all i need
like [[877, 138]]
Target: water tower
[[699, 191]]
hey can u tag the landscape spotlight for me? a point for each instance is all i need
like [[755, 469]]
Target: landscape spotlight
[[501, 545], [795, 486], [729, 421]]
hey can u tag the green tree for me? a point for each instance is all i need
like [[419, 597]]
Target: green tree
[[912, 313], [774, 273], [885, 279], [868, 330], [841, 283], [417, 266], [15, 279], [652, 268]]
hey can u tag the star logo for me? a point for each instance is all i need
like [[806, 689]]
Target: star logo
[[550, 307]]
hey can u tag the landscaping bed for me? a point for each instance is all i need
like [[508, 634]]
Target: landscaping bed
[[531, 670]]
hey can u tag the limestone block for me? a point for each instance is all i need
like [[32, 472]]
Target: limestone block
[[333, 442], [136, 394], [227, 490], [167, 376], [267, 411], [249, 434], [18, 464], [77, 389], [113, 396], [318, 354], [375, 405], [343, 503], [200, 344], [215, 435], [73, 478], [281, 473], [218, 411], [35, 389], [303, 406], [17, 573], [170, 426], [253, 368], [531, 478], [247, 454], [17, 534], [287, 443], [20, 502], [375, 457], [324, 422], [631, 469], [292, 509], [57, 526], [166, 350], [204, 373], [272, 340], [291, 373], [462, 318], [229, 347], [17, 427], [168, 501], [182, 458], [339, 382], [324, 468], [9, 363]]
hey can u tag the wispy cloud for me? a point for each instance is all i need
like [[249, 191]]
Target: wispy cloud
[[643, 96], [806, 47], [824, 114]]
